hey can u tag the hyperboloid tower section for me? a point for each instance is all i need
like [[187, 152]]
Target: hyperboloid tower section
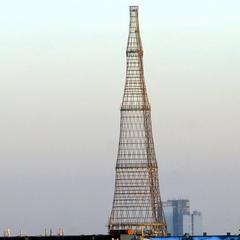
[[137, 204]]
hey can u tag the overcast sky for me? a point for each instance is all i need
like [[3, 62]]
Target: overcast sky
[[62, 70]]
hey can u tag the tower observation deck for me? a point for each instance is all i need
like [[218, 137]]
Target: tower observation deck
[[136, 204]]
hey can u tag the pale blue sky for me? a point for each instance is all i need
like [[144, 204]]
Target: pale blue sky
[[62, 69]]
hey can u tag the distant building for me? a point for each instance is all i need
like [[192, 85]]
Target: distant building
[[174, 211], [187, 224], [179, 218], [196, 223], [168, 212]]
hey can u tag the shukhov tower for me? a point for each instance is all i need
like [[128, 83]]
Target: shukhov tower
[[137, 203]]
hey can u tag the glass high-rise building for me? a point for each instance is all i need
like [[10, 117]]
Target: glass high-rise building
[[179, 218], [196, 217]]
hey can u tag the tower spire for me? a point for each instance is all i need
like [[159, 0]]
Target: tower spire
[[136, 203]]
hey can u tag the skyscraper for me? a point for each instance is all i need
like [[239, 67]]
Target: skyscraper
[[179, 218], [196, 223], [136, 203], [176, 209]]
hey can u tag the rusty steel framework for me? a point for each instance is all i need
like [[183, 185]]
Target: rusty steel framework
[[137, 203]]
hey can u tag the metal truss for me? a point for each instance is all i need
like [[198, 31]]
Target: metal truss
[[137, 203]]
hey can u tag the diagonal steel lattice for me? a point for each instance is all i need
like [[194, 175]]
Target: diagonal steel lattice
[[137, 203]]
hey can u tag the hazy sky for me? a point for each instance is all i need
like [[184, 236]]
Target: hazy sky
[[62, 70]]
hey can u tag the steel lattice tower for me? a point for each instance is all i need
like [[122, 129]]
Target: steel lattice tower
[[137, 203]]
